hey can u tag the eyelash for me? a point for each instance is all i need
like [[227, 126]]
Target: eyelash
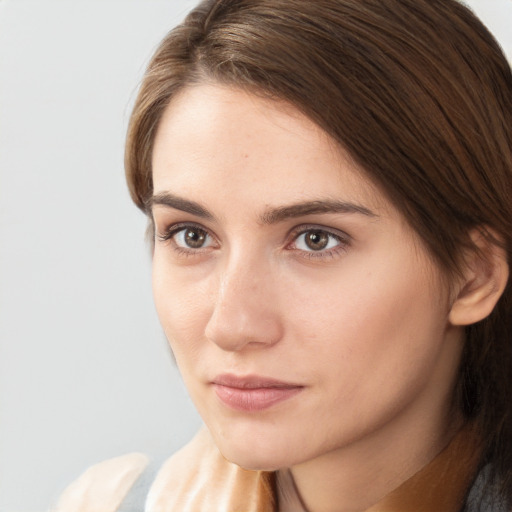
[[343, 240], [170, 232]]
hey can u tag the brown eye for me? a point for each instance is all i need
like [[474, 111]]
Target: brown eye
[[316, 240], [192, 238]]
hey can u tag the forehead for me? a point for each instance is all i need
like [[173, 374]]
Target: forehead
[[214, 138]]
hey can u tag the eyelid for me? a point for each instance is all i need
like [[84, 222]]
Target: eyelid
[[304, 228], [343, 238], [172, 229]]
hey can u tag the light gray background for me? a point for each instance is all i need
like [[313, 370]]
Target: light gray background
[[85, 372]]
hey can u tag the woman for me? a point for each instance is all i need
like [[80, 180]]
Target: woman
[[328, 187]]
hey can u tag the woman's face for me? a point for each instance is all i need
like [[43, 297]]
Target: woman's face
[[304, 314]]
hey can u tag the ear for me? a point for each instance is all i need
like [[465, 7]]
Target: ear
[[486, 274]]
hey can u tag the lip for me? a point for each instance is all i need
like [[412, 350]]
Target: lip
[[253, 393]]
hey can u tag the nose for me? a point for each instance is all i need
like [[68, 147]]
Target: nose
[[245, 311]]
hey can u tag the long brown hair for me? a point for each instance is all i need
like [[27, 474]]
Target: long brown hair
[[420, 94]]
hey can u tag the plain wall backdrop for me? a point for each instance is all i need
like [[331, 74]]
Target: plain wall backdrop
[[85, 371]]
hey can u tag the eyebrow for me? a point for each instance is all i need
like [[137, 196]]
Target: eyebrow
[[179, 203], [272, 216], [279, 214]]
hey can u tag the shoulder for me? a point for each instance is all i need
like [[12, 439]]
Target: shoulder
[[104, 486]]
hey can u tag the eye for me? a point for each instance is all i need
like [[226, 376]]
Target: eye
[[315, 241], [188, 237], [192, 238]]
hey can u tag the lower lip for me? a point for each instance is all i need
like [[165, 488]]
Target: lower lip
[[254, 399]]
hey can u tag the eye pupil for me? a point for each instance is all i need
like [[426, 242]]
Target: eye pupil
[[317, 240], [195, 238]]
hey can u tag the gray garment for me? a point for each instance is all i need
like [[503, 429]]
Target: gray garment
[[135, 500], [477, 501]]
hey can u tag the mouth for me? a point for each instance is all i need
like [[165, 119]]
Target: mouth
[[253, 393]]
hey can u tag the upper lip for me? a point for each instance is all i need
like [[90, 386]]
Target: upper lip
[[251, 382]]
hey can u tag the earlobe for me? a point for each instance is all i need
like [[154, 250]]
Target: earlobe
[[486, 275]]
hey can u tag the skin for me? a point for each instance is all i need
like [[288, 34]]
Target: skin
[[362, 325]]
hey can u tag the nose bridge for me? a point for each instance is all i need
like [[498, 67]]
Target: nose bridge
[[245, 310]]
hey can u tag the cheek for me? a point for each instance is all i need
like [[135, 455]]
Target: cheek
[[387, 323], [182, 307]]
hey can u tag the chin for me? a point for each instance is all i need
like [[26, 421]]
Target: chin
[[256, 452], [252, 460]]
